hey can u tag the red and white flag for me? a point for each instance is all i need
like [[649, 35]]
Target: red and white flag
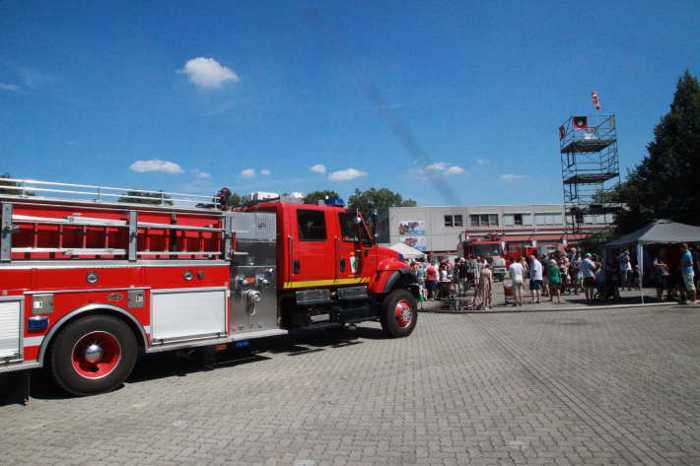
[[595, 100]]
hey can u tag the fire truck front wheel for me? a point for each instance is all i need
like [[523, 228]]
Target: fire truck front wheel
[[399, 313], [93, 354]]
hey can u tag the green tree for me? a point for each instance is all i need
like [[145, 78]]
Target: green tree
[[664, 184], [140, 197], [376, 202], [315, 196]]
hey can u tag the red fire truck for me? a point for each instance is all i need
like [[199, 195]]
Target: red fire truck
[[489, 247], [92, 277]]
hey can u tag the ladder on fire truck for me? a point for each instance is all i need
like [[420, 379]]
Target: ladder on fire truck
[[75, 236]]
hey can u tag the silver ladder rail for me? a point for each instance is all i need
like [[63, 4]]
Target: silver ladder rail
[[26, 188], [132, 253]]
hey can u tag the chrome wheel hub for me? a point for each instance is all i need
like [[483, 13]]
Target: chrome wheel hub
[[94, 353]]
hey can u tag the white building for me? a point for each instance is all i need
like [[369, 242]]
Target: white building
[[437, 229]]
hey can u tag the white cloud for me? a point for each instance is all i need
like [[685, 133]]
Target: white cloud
[[248, 173], [199, 174], [511, 177], [9, 87], [440, 169], [481, 162], [208, 73], [265, 172], [436, 167], [155, 165], [346, 175], [319, 168]]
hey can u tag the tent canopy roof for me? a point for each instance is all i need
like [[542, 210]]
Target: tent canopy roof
[[660, 231], [407, 251]]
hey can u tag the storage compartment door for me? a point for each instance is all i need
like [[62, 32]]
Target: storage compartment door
[[186, 314], [10, 330]]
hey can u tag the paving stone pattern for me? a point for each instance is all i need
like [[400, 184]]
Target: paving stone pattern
[[598, 387]]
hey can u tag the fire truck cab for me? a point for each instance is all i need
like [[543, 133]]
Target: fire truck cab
[[88, 285], [490, 248]]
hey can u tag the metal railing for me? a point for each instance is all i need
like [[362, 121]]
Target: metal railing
[[71, 191]]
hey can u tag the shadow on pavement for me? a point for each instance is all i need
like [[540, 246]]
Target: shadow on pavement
[[297, 343], [580, 300], [181, 363]]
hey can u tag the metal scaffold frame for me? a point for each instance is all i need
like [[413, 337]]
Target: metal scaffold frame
[[590, 167]]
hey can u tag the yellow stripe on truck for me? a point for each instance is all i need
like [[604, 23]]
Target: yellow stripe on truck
[[317, 283]]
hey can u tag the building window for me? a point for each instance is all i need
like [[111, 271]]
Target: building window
[[458, 222], [312, 225], [448, 220], [484, 220], [548, 219], [510, 220]]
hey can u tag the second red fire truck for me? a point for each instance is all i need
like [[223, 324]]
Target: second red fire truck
[[90, 278]]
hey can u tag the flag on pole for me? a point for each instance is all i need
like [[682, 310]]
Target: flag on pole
[[595, 100]]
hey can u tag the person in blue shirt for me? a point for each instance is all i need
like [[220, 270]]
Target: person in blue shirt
[[688, 274]]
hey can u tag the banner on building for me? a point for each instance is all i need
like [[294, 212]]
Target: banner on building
[[418, 242], [411, 228], [412, 233]]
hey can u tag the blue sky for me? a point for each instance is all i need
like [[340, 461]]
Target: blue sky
[[192, 96]]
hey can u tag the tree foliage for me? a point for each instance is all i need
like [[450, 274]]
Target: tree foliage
[[315, 196], [665, 184], [377, 200], [375, 203], [150, 198]]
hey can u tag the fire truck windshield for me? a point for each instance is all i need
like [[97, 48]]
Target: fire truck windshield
[[487, 250]]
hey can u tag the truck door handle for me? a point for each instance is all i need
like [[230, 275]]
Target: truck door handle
[[297, 266], [342, 265]]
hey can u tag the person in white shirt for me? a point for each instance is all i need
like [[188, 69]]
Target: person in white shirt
[[588, 269], [535, 279], [516, 275]]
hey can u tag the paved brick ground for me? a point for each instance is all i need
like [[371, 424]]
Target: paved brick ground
[[595, 387]]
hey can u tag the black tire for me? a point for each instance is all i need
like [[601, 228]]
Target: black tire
[[392, 325], [81, 331]]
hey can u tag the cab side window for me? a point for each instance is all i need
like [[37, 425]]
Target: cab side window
[[347, 226], [312, 225]]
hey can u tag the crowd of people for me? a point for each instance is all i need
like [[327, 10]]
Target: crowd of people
[[445, 279], [568, 272], [572, 272], [677, 272]]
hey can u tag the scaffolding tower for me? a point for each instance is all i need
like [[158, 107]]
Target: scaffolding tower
[[590, 168]]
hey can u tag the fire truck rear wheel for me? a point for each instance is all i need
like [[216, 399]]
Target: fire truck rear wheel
[[94, 354], [399, 313]]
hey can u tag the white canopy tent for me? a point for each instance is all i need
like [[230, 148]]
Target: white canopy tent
[[661, 231], [407, 251]]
